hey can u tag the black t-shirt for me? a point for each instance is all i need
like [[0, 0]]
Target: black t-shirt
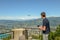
[[46, 23]]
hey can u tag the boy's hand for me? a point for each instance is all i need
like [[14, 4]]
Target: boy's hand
[[40, 27]]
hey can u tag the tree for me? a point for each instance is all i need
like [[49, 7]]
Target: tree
[[51, 36], [57, 33]]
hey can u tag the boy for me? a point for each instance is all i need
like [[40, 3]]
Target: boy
[[45, 27]]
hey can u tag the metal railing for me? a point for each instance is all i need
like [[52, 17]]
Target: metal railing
[[35, 33], [30, 34]]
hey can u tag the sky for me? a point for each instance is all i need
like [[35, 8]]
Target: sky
[[28, 9]]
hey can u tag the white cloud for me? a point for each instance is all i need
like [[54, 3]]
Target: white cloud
[[17, 17]]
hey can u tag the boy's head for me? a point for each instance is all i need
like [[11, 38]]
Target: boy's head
[[43, 14]]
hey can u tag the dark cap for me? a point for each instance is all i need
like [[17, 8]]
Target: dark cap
[[43, 13]]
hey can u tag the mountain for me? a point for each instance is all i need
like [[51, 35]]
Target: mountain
[[9, 24]]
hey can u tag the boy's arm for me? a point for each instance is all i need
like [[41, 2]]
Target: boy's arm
[[42, 28]]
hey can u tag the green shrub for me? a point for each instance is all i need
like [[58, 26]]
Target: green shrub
[[37, 37], [51, 36], [57, 38], [55, 35]]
